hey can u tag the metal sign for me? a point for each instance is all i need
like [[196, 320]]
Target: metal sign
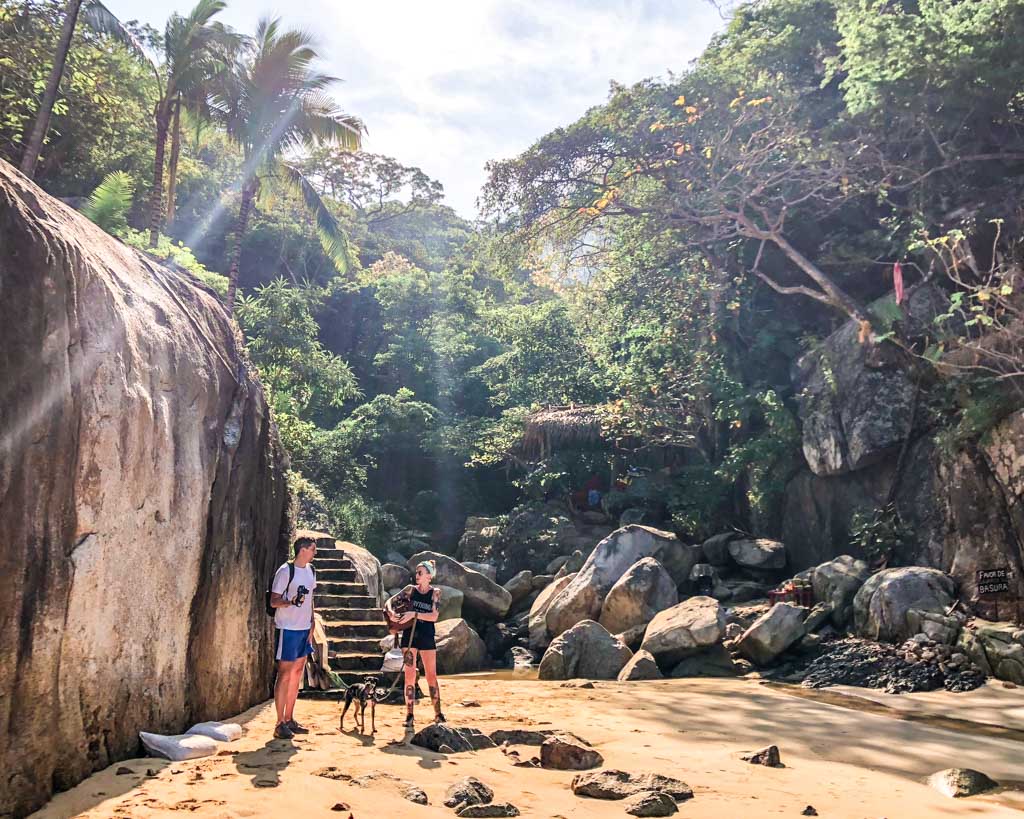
[[992, 581]]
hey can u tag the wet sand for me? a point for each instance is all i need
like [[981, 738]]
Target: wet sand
[[848, 752]]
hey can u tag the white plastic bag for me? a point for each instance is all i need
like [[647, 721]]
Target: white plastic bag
[[220, 731], [393, 661], [180, 747]]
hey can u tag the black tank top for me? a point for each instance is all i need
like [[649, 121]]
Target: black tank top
[[423, 603]]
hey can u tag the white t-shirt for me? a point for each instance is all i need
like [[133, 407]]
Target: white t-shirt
[[294, 618]]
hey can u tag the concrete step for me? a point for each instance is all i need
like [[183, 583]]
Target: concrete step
[[355, 662], [334, 615], [332, 563], [349, 678], [336, 576], [330, 554], [336, 587], [360, 629], [354, 645], [345, 601]]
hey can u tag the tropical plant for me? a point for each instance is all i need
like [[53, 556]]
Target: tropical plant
[[274, 101], [195, 51], [96, 16], [109, 204]]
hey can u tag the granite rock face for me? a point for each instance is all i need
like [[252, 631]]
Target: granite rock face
[[143, 501]]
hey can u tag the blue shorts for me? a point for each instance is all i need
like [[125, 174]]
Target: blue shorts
[[292, 645]]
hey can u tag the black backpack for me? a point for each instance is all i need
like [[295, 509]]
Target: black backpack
[[270, 589], [291, 576]]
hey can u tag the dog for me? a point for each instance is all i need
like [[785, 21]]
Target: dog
[[361, 693]]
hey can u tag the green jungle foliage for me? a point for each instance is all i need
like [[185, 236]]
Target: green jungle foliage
[[663, 261]]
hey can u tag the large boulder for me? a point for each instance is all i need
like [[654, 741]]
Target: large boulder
[[478, 538], [772, 633], [450, 605], [880, 607], [854, 400], [520, 586], [538, 628], [837, 582], [144, 501], [641, 666], [758, 553], [583, 597], [715, 661], [395, 576], [483, 597], [1002, 647], [586, 650], [643, 591], [684, 630], [716, 548], [459, 648], [486, 569]]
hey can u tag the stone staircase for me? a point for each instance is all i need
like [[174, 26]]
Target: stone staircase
[[353, 623]]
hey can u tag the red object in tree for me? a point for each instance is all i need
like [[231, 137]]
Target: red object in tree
[[897, 282]]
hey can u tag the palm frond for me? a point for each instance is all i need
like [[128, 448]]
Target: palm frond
[[103, 21], [109, 204], [332, 237]]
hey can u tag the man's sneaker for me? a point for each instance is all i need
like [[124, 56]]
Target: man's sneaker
[[296, 728], [282, 731], [439, 718]]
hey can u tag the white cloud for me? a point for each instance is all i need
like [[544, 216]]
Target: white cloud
[[450, 84]]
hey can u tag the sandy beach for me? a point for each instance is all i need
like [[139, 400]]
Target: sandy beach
[[847, 752]]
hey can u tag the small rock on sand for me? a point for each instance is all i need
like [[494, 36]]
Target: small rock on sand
[[467, 791], [520, 736], [567, 753], [122, 771], [769, 757], [959, 782], [809, 811], [433, 737], [577, 684], [497, 809], [340, 806], [416, 794], [612, 784], [650, 803]]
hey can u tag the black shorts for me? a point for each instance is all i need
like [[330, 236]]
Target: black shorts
[[422, 639]]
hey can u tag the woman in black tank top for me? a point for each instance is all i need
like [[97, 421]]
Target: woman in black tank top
[[425, 603]]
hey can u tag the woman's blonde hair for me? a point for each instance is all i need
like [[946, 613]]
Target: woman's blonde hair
[[429, 565]]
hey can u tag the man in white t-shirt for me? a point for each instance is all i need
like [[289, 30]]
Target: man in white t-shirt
[[291, 596]]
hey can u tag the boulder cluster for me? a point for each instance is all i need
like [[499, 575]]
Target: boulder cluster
[[641, 604]]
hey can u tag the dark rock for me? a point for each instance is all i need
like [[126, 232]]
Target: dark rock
[[123, 771], [769, 757], [458, 739], [577, 684], [613, 784], [809, 811], [960, 782], [650, 803], [499, 638], [714, 661], [141, 473], [494, 810], [716, 548], [416, 794], [520, 736], [467, 791], [566, 753], [340, 806], [817, 617]]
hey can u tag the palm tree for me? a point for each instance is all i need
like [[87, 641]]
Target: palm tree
[[274, 103], [190, 59], [96, 16], [194, 97]]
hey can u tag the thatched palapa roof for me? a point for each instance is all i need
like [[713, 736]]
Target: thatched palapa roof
[[559, 427]]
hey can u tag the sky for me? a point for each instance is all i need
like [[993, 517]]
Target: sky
[[448, 85]]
